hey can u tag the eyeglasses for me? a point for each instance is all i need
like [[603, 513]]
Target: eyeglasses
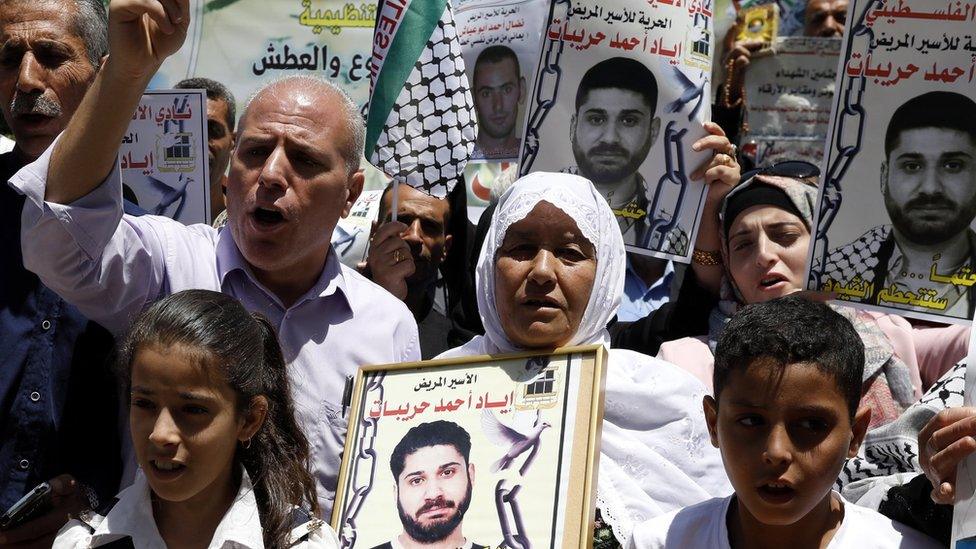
[[798, 169]]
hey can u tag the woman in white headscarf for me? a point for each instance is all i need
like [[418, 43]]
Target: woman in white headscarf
[[552, 266]]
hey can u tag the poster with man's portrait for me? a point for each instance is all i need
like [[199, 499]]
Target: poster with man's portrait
[[897, 203], [500, 41], [164, 156], [621, 95], [476, 452]]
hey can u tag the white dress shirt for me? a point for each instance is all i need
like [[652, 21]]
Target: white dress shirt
[[132, 517], [111, 266]]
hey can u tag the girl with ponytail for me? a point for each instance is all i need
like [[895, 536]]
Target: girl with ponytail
[[222, 460]]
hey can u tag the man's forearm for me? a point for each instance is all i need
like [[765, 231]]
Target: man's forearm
[[87, 150]]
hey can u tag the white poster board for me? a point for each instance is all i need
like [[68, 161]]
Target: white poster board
[[164, 156], [621, 93], [898, 193], [789, 94], [500, 42]]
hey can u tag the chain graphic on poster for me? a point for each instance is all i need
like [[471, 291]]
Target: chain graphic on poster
[[619, 97]]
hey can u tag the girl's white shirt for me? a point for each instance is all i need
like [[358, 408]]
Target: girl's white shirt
[[132, 517]]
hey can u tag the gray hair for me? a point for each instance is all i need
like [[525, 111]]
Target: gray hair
[[353, 150], [91, 25], [215, 91]]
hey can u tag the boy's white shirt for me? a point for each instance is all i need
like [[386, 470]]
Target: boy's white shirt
[[704, 525], [131, 516]]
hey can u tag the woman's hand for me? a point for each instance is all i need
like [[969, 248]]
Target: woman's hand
[[946, 440], [721, 173]]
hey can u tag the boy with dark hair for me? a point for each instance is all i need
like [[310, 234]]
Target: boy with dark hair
[[787, 384]]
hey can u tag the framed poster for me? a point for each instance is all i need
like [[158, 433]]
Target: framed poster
[[476, 451]]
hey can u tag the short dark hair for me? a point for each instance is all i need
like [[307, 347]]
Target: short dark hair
[[215, 91], [434, 433], [620, 73], [792, 330], [938, 109], [497, 54]]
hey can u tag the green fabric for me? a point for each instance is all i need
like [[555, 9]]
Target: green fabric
[[411, 38], [603, 537], [214, 5]]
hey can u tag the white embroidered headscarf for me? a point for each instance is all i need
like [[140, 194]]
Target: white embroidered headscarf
[[655, 455], [578, 198]]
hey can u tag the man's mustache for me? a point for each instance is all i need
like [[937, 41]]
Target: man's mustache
[[34, 103], [438, 503], [608, 149], [931, 201]]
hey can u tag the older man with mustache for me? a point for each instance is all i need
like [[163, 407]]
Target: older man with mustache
[[295, 170], [54, 377]]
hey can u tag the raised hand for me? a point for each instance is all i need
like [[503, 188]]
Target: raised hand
[[722, 171], [390, 261], [943, 443], [143, 33]]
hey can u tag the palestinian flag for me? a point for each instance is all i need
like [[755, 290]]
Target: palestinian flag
[[420, 129]]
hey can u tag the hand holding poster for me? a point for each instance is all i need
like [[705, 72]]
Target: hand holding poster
[[164, 156], [964, 512], [621, 94], [500, 41], [495, 451], [898, 199]]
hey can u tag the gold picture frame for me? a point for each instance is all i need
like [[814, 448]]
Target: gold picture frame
[[532, 424]]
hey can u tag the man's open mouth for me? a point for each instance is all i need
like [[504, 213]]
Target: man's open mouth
[[268, 217], [33, 118]]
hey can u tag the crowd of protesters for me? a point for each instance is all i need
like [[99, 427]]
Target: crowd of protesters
[[170, 383]]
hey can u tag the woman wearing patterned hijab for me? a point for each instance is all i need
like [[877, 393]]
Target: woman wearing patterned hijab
[[764, 231], [552, 266]]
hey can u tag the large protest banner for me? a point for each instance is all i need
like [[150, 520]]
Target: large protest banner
[[500, 42], [788, 98], [247, 43], [163, 157], [898, 197], [620, 96]]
